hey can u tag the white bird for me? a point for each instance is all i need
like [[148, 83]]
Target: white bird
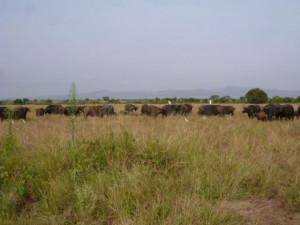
[[170, 103], [186, 120]]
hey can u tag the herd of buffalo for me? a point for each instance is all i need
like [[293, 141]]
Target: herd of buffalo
[[267, 112]]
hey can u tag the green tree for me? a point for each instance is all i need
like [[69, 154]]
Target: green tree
[[18, 101], [205, 100], [106, 98], [287, 99], [225, 99], [25, 100], [215, 97], [276, 99], [243, 99], [256, 96]]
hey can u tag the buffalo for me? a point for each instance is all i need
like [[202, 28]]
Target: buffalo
[[287, 112], [40, 112], [54, 109], [251, 110], [108, 110], [184, 109], [20, 113], [17, 113], [189, 108], [169, 109], [150, 110], [272, 110], [226, 110], [181, 109], [93, 111], [99, 111], [71, 110], [209, 110], [214, 110], [3, 113], [261, 116], [130, 108], [279, 111]]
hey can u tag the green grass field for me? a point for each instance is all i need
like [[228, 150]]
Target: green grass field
[[143, 170]]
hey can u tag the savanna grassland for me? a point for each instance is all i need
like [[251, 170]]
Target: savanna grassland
[[144, 170]]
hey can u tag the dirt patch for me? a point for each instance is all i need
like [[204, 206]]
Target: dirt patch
[[263, 212]]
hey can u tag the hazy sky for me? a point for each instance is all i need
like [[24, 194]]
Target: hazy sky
[[45, 45]]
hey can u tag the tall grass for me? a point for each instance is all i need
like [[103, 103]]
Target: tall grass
[[10, 140], [141, 170]]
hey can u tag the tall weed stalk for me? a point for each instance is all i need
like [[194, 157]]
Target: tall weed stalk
[[73, 108]]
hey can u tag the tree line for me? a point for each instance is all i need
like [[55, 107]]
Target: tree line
[[253, 96]]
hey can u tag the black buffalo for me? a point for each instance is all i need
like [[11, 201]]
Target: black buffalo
[[251, 110], [184, 109], [189, 107], [54, 109], [130, 108], [16, 114], [226, 110], [272, 110], [287, 112], [3, 113], [169, 109], [150, 110], [20, 113], [71, 110], [214, 110], [209, 110]]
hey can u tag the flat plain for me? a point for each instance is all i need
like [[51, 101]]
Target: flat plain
[[133, 169]]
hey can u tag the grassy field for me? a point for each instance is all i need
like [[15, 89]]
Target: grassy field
[[143, 170]]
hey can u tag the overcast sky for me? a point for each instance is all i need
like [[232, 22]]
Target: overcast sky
[[45, 45]]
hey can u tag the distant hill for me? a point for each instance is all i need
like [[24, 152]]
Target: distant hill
[[234, 92]]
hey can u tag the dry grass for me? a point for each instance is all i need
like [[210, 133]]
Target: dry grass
[[142, 170]]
